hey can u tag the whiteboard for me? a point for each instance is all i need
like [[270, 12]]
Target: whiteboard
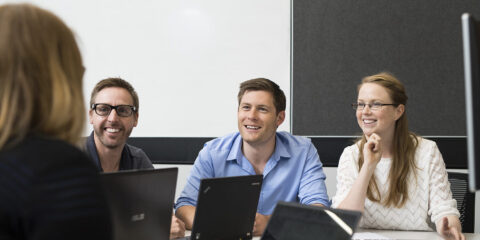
[[185, 58]]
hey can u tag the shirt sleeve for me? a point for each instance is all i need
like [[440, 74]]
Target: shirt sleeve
[[143, 160], [202, 168], [441, 202], [312, 184], [346, 175]]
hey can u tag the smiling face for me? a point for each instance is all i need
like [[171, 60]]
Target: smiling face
[[381, 121], [112, 131], [257, 118]]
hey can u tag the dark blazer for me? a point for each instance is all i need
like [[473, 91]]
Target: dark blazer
[[50, 190]]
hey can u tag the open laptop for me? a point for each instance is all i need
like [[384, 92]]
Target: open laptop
[[297, 221], [141, 202], [226, 208]]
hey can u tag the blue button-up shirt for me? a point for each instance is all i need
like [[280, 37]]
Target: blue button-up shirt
[[293, 173]]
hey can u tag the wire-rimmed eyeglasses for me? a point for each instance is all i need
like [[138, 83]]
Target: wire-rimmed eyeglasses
[[373, 106]]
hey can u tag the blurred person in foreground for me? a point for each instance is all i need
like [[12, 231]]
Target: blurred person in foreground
[[49, 188]]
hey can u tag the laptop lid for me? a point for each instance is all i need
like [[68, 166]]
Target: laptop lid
[[297, 221], [226, 207], [141, 202]]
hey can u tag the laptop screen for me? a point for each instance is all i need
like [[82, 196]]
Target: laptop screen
[[226, 207], [296, 221], [141, 202]]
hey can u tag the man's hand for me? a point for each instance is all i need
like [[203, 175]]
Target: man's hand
[[260, 224], [177, 228], [186, 214]]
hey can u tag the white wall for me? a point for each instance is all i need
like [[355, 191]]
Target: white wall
[[185, 58]]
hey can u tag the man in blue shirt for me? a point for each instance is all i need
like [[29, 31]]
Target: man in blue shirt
[[290, 165]]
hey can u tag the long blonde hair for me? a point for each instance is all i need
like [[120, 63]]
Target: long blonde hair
[[404, 146], [41, 75]]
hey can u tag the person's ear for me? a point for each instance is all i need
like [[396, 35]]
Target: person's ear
[[399, 111], [135, 116], [280, 118], [90, 116]]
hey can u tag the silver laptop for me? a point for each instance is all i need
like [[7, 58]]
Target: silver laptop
[[306, 222], [141, 202]]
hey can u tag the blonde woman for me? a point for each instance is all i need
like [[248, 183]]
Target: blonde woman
[[396, 178], [48, 187]]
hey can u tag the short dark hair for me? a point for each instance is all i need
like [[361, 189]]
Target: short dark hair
[[263, 84], [115, 82]]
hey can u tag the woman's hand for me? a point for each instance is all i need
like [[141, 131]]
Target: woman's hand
[[372, 151], [450, 228]]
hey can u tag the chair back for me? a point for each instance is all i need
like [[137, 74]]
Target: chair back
[[465, 200]]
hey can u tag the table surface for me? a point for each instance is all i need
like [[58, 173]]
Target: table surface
[[414, 235], [389, 234]]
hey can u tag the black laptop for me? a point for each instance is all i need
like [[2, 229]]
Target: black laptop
[[296, 221], [141, 202], [226, 208]]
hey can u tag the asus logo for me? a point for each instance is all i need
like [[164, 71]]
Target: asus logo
[[138, 217]]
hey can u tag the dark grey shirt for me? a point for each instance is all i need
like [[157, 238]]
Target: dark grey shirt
[[132, 157]]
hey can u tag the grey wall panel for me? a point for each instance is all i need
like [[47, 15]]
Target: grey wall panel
[[337, 42]]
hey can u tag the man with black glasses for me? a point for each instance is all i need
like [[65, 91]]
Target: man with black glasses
[[113, 114]]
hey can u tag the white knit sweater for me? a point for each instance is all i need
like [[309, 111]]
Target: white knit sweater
[[429, 193]]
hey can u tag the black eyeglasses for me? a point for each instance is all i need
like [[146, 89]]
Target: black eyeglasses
[[373, 106], [103, 109]]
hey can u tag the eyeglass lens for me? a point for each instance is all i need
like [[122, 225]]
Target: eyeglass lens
[[105, 109], [373, 106]]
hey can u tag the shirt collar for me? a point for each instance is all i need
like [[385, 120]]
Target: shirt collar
[[126, 162], [236, 150], [281, 149], [279, 153]]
